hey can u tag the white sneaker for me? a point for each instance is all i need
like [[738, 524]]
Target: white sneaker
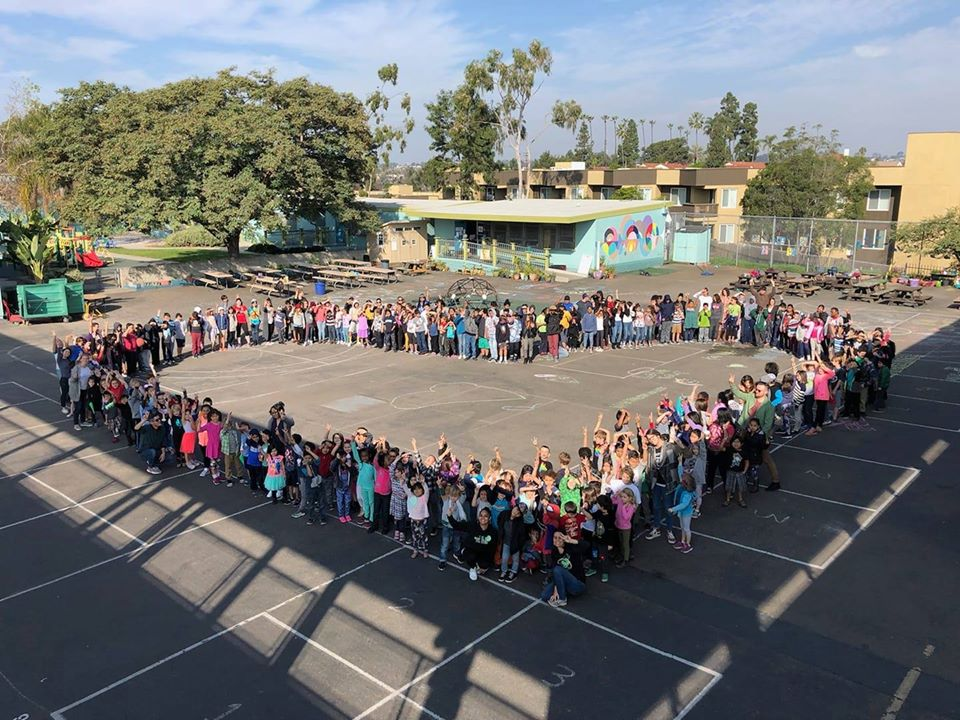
[[473, 573], [65, 411], [153, 470], [204, 472], [76, 427]]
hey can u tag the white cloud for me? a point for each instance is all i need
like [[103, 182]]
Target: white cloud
[[870, 52]]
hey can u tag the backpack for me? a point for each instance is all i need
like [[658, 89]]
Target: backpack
[[716, 437]]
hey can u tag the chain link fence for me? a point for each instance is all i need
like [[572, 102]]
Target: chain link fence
[[799, 244]]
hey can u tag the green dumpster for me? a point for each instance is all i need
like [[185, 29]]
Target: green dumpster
[[44, 301], [74, 298]]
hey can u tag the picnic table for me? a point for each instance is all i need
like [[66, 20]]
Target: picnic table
[[903, 295], [265, 271], [413, 267], [803, 287], [220, 279], [339, 277], [866, 291], [379, 274], [349, 262], [93, 304], [303, 270]]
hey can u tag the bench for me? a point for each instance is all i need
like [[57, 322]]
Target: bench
[[93, 304], [955, 304], [207, 282], [266, 288]]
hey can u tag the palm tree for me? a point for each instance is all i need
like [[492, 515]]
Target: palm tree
[[616, 134], [606, 119], [670, 129], [696, 121], [588, 119], [652, 123]]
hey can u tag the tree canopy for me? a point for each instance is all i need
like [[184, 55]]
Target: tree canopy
[[806, 176], [216, 152], [937, 236], [664, 151], [630, 144]]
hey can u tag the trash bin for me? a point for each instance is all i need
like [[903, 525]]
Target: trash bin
[[320, 287], [385, 264]]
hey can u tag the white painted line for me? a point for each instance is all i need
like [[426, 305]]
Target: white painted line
[[758, 550], [39, 468], [45, 371], [717, 677], [427, 673], [87, 510], [814, 497], [926, 377], [869, 521], [848, 457], [343, 661], [915, 397], [916, 425], [127, 554], [40, 396], [58, 714], [93, 500], [25, 402], [34, 427]]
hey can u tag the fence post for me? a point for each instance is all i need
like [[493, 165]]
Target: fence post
[[466, 250], [853, 256], [546, 259], [736, 261], [493, 251], [773, 239]]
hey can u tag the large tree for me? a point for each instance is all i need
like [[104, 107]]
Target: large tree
[[630, 146], [806, 176], [508, 88], [664, 151], [216, 152], [722, 129], [748, 144], [463, 137], [24, 179], [385, 134], [937, 236], [583, 150]]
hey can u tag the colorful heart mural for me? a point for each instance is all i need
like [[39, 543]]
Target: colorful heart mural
[[634, 234]]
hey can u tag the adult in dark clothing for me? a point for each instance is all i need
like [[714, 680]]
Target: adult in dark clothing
[[479, 541], [567, 576], [667, 307], [663, 459], [512, 532], [553, 332], [153, 436]]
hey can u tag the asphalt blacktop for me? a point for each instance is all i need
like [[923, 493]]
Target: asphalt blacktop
[[126, 595]]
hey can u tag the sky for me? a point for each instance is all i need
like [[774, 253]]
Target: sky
[[874, 70]]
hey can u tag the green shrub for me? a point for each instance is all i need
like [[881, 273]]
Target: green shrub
[[264, 249], [192, 236]]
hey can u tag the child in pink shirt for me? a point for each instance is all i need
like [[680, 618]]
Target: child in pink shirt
[[625, 504]]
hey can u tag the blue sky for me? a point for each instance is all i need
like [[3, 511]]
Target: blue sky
[[872, 69]]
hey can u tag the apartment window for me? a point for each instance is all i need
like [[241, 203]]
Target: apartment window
[[873, 239], [576, 193], [489, 193], [678, 195], [544, 193], [879, 200], [728, 233], [644, 193], [728, 198], [606, 193]]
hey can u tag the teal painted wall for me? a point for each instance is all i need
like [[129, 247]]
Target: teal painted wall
[[627, 242]]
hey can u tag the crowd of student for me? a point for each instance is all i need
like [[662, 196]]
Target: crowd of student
[[498, 333], [642, 477]]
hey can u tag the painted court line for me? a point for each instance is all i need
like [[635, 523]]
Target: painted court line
[[912, 424], [25, 402], [427, 673], [803, 563], [129, 553], [849, 457], [915, 397], [814, 497], [926, 377], [87, 510], [35, 427], [40, 396], [343, 661], [870, 520], [93, 500], [39, 468], [59, 714]]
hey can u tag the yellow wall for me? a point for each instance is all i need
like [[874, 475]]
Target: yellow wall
[[929, 178]]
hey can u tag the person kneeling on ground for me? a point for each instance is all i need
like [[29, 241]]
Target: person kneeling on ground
[[480, 541], [567, 577], [152, 437]]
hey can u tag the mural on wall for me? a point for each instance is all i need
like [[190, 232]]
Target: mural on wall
[[634, 235]]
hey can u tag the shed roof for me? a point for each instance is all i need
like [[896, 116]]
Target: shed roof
[[527, 210]]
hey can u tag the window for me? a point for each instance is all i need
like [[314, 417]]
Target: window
[[728, 233], [644, 193], [728, 198], [678, 195], [566, 238], [606, 193], [489, 193], [879, 200], [576, 193], [513, 193], [544, 193], [873, 239]]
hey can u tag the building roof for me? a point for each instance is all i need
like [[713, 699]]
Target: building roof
[[755, 165], [529, 210]]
